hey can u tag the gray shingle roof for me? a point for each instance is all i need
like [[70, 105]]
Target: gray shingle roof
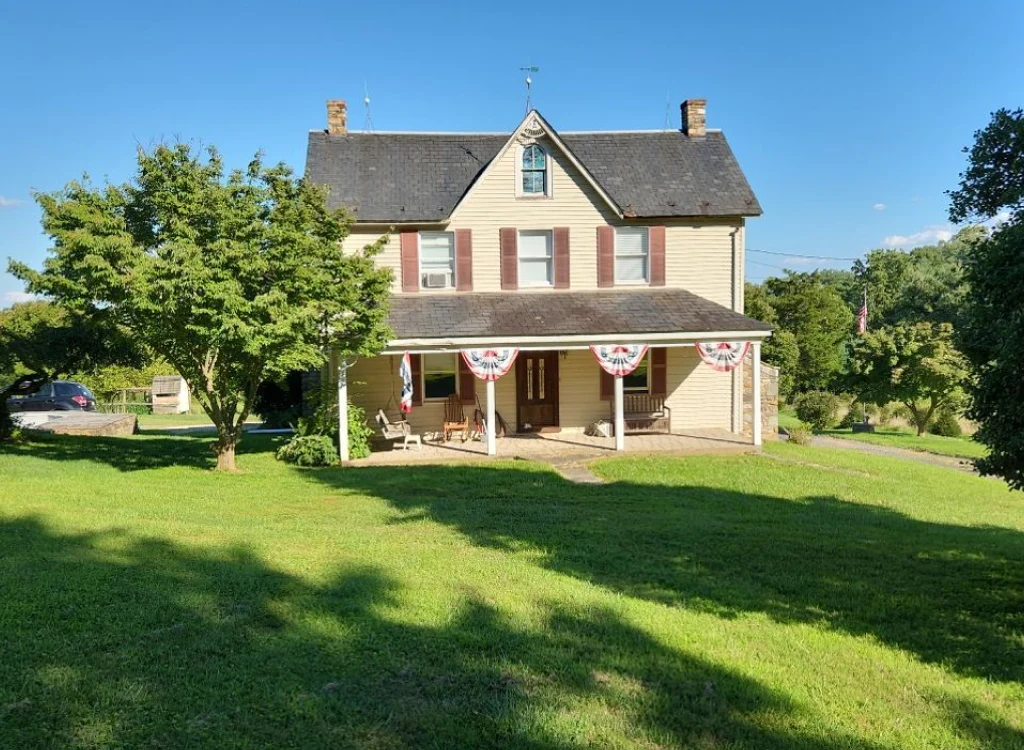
[[629, 311], [407, 177]]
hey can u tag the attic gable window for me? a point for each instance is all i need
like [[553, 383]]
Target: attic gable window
[[535, 170]]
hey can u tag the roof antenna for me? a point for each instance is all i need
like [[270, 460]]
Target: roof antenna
[[368, 123], [529, 82], [668, 112]]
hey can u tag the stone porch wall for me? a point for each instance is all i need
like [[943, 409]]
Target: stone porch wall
[[769, 399]]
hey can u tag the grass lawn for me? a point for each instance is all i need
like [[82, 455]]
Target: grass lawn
[[788, 418], [900, 437], [804, 599]]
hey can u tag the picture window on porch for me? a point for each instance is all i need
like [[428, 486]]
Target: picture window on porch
[[639, 381], [631, 255], [440, 376], [535, 170], [535, 258], [437, 260]]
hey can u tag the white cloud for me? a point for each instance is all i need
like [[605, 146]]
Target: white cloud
[[12, 298], [879, 206], [930, 235], [9, 202]]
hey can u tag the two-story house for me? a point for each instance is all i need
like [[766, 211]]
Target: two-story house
[[550, 243]]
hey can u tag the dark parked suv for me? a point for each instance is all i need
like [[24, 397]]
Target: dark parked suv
[[57, 395]]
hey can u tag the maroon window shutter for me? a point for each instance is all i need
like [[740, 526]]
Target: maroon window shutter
[[464, 260], [410, 243], [606, 256], [416, 361], [656, 247], [659, 371], [561, 250], [509, 258], [467, 383], [607, 385]]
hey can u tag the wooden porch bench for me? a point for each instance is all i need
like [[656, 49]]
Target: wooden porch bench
[[644, 413]]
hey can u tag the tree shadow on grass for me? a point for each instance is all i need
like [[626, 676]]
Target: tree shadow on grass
[[952, 595], [149, 450], [110, 640]]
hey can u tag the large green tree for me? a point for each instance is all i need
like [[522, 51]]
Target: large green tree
[[232, 277], [780, 349], [821, 322], [915, 364], [992, 331]]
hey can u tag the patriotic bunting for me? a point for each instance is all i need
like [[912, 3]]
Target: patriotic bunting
[[723, 356], [619, 359], [405, 372], [489, 364]]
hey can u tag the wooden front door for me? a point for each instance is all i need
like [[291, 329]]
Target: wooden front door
[[536, 391]]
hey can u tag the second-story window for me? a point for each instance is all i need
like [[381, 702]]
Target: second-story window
[[535, 171], [631, 255], [535, 258], [437, 260]]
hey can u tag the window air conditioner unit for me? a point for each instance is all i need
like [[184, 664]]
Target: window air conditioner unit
[[435, 280]]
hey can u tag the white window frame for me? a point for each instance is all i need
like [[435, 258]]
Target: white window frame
[[646, 255], [454, 261], [520, 193], [647, 388], [549, 233], [425, 371]]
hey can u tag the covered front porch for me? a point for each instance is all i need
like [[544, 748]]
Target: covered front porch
[[583, 367]]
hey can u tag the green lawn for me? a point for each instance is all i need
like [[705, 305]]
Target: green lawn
[[895, 437], [808, 598]]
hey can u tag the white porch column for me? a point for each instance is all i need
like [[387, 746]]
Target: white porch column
[[342, 409], [620, 421], [755, 397], [492, 427]]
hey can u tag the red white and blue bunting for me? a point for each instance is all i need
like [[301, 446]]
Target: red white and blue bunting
[[724, 356], [489, 364], [619, 359]]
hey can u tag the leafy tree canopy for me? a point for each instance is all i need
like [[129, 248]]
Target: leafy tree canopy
[[913, 363], [992, 330], [821, 322], [230, 277]]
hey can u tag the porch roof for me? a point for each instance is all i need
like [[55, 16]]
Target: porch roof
[[505, 316]]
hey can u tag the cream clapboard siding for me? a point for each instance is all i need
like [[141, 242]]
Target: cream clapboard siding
[[374, 384], [698, 396], [698, 252]]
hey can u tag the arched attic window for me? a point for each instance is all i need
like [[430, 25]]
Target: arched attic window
[[535, 170]]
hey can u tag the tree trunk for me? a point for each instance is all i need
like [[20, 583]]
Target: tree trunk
[[225, 450]]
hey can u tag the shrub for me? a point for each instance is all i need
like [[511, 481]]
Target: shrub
[[946, 424], [324, 421], [308, 450], [800, 435], [817, 408]]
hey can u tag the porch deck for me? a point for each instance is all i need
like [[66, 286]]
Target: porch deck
[[564, 445]]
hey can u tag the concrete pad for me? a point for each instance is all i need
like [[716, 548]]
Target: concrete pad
[[77, 422]]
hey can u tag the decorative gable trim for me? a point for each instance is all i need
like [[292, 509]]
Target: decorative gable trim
[[530, 130]]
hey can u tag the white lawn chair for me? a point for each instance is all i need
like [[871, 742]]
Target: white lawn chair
[[395, 431]]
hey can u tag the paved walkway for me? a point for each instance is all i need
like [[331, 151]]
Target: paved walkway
[[565, 450], [949, 462]]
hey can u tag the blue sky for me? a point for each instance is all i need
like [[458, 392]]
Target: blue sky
[[848, 121]]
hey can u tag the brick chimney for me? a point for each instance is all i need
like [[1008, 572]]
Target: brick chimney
[[695, 116], [337, 117]]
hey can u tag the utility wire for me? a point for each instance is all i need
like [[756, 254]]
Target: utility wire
[[798, 255]]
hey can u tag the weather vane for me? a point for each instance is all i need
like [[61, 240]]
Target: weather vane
[[529, 82]]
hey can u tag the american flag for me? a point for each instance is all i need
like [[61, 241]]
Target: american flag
[[405, 372], [862, 316]]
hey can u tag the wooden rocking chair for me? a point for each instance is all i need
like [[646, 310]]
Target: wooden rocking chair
[[455, 419]]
